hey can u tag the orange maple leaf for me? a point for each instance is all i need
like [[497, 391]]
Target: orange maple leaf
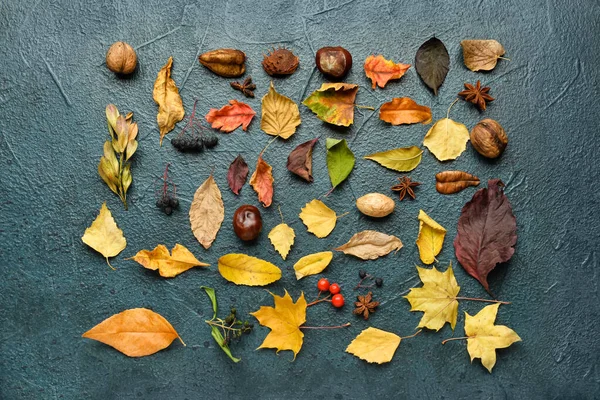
[[380, 70], [262, 182], [230, 117]]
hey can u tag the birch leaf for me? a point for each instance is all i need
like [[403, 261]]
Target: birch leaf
[[168, 265], [333, 103], [312, 264], [299, 161], [104, 235], [380, 71], [404, 110], [229, 118], [242, 269], [262, 181], [370, 245], [207, 212], [318, 218], [282, 238], [430, 239], [447, 139], [403, 159], [340, 160], [481, 55], [166, 95], [374, 345], [280, 115]]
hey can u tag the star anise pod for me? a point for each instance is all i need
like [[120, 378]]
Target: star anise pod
[[365, 305], [246, 87], [476, 94], [405, 187]]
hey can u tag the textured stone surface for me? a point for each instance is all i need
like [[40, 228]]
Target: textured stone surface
[[53, 90]]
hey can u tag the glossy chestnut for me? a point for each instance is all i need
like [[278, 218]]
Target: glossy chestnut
[[333, 62], [247, 222]]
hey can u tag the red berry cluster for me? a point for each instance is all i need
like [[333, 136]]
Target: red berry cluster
[[337, 299]]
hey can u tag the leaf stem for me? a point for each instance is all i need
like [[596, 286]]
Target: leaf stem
[[453, 103], [181, 340], [504, 58], [280, 214], [365, 107], [267, 146], [342, 215], [483, 300], [413, 335], [455, 338], [111, 267], [347, 324]]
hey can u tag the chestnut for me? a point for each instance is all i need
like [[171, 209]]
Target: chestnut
[[247, 222], [333, 62]]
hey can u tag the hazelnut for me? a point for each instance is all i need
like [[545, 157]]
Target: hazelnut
[[333, 62], [121, 58], [375, 205], [488, 138]]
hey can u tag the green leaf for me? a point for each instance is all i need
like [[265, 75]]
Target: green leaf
[[213, 298], [340, 160], [403, 159], [216, 334]]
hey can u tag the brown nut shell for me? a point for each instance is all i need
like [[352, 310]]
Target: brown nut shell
[[333, 62], [375, 205], [121, 58], [229, 63], [280, 62], [489, 138], [448, 182]]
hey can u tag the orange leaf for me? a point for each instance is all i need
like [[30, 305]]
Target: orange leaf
[[262, 182], [229, 118], [404, 110], [380, 70]]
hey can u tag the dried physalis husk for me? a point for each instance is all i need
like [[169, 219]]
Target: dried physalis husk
[[280, 62], [229, 63], [448, 182]]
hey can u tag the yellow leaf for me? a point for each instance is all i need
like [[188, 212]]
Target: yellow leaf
[[136, 333], [484, 337], [282, 238], [333, 103], [437, 298], [207, 212], [430, 239], [370, 245], [312, 264], [280, 115], [242, 269], [104, 235], [168, 265], [284, 320], [166, 95], [447, 139], [318, 218], [374, 345]]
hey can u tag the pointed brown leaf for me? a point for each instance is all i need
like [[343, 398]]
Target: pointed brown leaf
[[300, 160], [237, 174], [432, 63]]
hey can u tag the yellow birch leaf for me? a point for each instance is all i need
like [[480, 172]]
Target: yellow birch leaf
[[318, 218], [430, 239], [370, 245], [242, 269], [447, 139], [168, 265], [312, 264], [282, 238], [374, 345], [207, 212], [284, 320], [104, 235], [166, 95], [280, 115]]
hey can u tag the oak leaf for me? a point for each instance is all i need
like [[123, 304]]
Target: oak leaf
[[374, 345], [237, 174], [403, 159], [481, 55], [207, 212], [380, 71], [299, 161], [340, 160], [280, 115], [230, 117], [168, 265], [370, 245], [404, 110], [333, 103], [447, 139], [282, 238], [432, 63], [104, 235], [262, 181], [430, 239], [318, 218], [312, 264], [166, 95], [242, 269]]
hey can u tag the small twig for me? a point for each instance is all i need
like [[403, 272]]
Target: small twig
[[455, 338]]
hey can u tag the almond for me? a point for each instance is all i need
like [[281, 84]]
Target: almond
[[375, 205]]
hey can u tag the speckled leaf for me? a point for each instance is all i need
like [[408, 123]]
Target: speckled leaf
[[340, 160], [432, 63], [299, 161], [333, 103], [237, 174]]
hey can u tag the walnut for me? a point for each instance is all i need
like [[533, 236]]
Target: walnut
[[121, 58], [488, 138]]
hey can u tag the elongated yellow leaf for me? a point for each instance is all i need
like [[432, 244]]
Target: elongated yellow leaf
[[104, 235], [318, 218], [168, 265], [280, 115], [312, 264], [166, 95], [374, 345], [370, 245], [207, 212], [403, 159], [430, 239], [242, 269], [282, 238], [447, 139]]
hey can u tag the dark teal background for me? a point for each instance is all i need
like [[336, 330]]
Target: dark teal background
[[54, 87]]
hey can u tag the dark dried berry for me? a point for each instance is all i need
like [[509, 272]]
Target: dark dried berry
[[173, 202], [210, 141], [378, 282], [168, 210], [362, 273], [280, 62]]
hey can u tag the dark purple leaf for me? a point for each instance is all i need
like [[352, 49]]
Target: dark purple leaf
[[300, 160], [237, 174], [432, 63]]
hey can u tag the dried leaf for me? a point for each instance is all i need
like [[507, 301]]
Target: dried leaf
[[448, 182], [137, 332], [104, 235], [404, 110], [333, 103], [230, 117], [312, 264], [318, 218], [237, 174], [207, 212], [403, 159], [168, 265], [282, 238], [487, 232], [242, 269], [374, 345], [447, 139], [300, 160], [432, 63], [340, 160], [370, 245], [280, 115], [481, 55], [380, 70], [166, 95], [262, 181], [430, 239]]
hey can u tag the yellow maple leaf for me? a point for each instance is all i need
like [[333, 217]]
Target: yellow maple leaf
[[318, 218], [437, 298], [104, 235], [284, 320], [282, 238], [166, 95], [374, 345], [430, 239], [312, 264], [280, 115], [168, 265], [242, 269]]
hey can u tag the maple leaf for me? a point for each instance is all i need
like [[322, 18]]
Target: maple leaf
[[168, 265], [230, 117], [262, 181], [333, 103], [280, 115], [374, 345], [284, 320], [242, 269], [430, 239], [104, 235], [166, 95], [380, 70], [404, 110]]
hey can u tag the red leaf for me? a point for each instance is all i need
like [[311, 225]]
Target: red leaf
[[228, 118], [487, 232], [300, 160], [262, 182], [237, 174]]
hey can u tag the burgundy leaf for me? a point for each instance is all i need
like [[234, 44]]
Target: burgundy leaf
[[487, 232], [300, 160], [237, 174]]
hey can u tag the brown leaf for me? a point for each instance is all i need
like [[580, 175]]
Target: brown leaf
[[237, 174], [404, 110], [300, 160], [448, 182], [262, 182], [370, 245], [481, 55], [207, 212], [166, 95]]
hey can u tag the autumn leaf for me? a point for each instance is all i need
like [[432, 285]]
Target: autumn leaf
[[380, 71], [404, 110], [104, 235], [282, 238], [447, 139], [237, 174], [242, 269], [374, 345], [137, 332], [403, 159], [333, 103], [370, 245], [166, 95], [284, 320], [481, 55], [168, 265], [340, 160], [318, 218], [207, 212], [432, 63], [230, 117], [280, 115], [262, 181], [299, 161], [430, 239], [312, 264]]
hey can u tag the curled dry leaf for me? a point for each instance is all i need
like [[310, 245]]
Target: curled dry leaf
[[280, 115], [312, 264], [403, 159], [374, 345], [137, 332], [404, 110], [430, 239], [299, 161], [340, 160], [262, 182], [166, 95], [370, 245], [168, 265], [380, 71], [282, 238], [104, 235], [242, 269], [481, 55], [432, 63], [207, 212], [333, 103], [448, 182], [230, 117], [447, 139], [318, 218], [237, 174]]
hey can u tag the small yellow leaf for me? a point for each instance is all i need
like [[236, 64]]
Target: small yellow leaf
[[374, 345], [312, 264], [430, 239], [318, 218], [168, 265], [166, 95], [280, 115], [242, 269], [447, 139], [370, 245], [282, 238], [207, 212], [104, 235]]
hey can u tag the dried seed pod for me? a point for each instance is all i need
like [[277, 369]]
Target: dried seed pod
[[375, 205], [333, 62], [488, 138], [121, 58], [229, 63], [448, 182], [280, 62]]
